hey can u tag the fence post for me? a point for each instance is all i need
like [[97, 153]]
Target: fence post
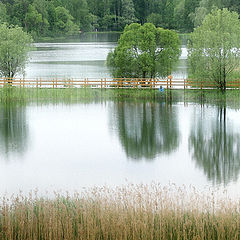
[[56, 83]]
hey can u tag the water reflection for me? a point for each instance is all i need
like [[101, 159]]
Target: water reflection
[[215, 147], [13, 129], [146, 129]]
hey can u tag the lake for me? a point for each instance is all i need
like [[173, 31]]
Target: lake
[[57, 146], [80, 57], [70, 146]]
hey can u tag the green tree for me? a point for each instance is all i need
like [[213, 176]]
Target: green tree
[[214, 49], [128, 12], [142, 10], [3, 13], [205, 7], [189, 8], [18, 10], [179, 15], [14, 47], [156, 19], [144, 51], [169, 14], [33, 19], [80, 12], [232, 5], [42, 6], [64, 22]]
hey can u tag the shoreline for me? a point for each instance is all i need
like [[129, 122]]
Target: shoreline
[[212, 96]]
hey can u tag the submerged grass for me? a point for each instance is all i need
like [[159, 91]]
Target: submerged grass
[[88, 95], [133, 212]]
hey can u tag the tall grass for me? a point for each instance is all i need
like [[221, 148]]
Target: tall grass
[[76, 94], [133, 212]]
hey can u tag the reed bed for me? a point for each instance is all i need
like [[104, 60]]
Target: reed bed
[[132, 212], [70, 95]]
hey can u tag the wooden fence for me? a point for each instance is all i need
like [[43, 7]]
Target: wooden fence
[[156, 83]]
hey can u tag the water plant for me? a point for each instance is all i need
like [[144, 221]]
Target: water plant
[[130, 212]]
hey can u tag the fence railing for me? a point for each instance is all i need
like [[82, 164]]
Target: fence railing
[[144, 83]]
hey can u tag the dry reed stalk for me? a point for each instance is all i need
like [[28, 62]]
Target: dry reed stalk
[[134, 212]]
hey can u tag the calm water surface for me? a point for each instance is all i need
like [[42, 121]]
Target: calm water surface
[[70, 146], [60, 146], [80, 57]]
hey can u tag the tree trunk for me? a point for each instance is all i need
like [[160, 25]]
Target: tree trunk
[[224, 79]]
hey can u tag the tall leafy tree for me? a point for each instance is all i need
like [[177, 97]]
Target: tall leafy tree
[[42, 7], [33, 19], [189, 8], [179, 12], [3, 13], [19, 9], [64, 21], [80, 12], [144, 51], [232, 5], [141, 7], [205, 7], [14, 47], [169, 14], [214, 49], [128, 12]]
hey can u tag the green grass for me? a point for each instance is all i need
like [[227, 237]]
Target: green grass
[[134, 212], [69, 95]]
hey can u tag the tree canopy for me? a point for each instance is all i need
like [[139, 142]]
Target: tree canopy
[[39, 16], [144, 51], [214, 48], [14, 47]]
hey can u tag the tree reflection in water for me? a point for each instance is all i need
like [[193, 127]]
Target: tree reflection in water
[[13, 129], [147, 128], [215, 147]]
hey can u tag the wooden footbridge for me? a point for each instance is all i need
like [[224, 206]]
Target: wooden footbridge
[[138, 83]]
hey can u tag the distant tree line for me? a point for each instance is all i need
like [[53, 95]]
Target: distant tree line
[[60, 17]]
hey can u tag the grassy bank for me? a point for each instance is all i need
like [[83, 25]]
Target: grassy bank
[[132, 213], [231, 97]]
